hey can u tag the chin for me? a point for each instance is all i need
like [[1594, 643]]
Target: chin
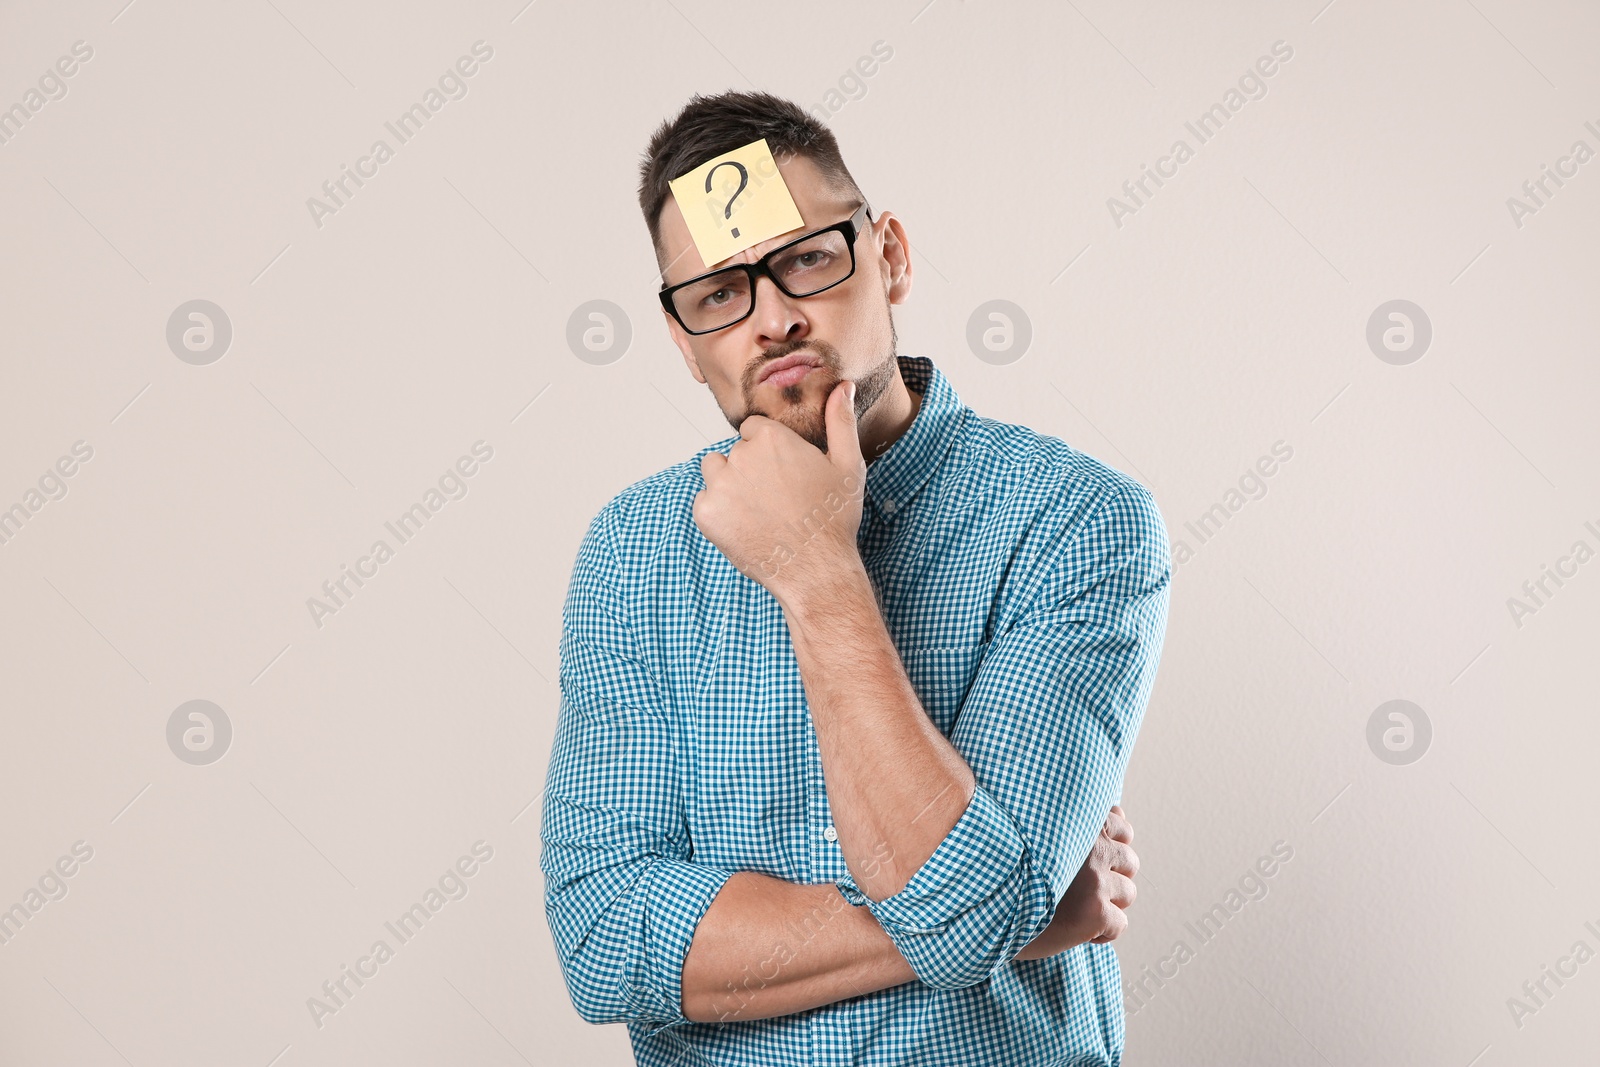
[[800, 407], [807, 420], [814, 431]]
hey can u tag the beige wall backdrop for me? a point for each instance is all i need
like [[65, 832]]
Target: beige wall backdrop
[[1348, 340]]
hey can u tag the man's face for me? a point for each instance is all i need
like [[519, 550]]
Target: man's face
[[848, 330]]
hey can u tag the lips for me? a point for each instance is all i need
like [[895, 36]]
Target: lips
[[789, 369]]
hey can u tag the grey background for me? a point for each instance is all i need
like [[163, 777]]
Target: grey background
[[431, 312]]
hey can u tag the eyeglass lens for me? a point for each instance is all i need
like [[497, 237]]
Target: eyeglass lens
[[804, 268]]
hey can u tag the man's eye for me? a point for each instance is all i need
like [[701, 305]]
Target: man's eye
[[712, 298]]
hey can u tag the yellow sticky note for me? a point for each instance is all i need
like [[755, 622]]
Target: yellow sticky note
[[734, 201]]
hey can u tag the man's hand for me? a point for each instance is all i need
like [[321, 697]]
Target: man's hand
[[1093, 909], [782, 511]]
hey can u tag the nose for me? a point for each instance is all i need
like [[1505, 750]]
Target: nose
[[776, 317]]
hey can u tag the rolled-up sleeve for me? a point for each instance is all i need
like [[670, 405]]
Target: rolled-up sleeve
[[621, 895], [1047, 729]]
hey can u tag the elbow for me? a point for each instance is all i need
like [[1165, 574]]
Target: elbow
[[957, 959], [614, 957], [605, 987], [961, 965], [594, 989], [595, 1012], [588, 1010], [979, 944], [959, 978], [593, 997]]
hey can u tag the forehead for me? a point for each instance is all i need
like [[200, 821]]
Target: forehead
[[818, 202]]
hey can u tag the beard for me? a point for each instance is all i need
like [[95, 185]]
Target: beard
[[805, 403]]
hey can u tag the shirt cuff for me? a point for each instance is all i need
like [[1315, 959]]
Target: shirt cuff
[[671, 919], [980, 854]]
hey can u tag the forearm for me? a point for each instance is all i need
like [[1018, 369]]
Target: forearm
[[767, 947], [896, 786]]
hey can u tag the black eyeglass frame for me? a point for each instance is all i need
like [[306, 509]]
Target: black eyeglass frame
[[851, 229]]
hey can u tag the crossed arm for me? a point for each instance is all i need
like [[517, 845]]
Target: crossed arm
[[897, 788], [728, 976], [964, 853]]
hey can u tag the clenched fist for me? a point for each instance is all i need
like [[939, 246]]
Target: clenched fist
[[1094, 907], [782, 511]]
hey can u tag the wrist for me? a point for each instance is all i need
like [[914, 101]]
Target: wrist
[[879, 963], [833, 589]]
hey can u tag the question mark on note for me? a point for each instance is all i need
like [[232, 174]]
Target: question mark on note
[[744, 180]]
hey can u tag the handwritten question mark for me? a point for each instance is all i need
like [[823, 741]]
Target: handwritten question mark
[[744, 180]]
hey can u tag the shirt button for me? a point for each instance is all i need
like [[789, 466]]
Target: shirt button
[[831, 834], [888, 507]]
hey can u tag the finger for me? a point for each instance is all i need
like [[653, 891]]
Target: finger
[[1117, 827], [1120, 889], [700, 512], [844, 440], [712, 464], [1116, 923], [1101, 855], [1122, 859]]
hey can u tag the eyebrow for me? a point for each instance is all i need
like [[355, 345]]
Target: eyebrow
[[777, 240], [781, 239]]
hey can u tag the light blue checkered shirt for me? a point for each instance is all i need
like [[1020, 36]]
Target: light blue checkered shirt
[[1025, 585]]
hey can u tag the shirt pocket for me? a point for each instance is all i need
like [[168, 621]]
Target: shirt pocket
[[942, 675]]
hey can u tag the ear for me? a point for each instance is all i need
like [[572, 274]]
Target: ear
[[681, 339], [895, 256]]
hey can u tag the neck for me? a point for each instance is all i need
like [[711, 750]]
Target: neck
[[890, 417]]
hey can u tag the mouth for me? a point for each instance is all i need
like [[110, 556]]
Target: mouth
[[788, 370]]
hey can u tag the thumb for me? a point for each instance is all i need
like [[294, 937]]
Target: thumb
[[844, 441]]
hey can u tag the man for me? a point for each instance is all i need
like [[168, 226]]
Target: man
[[847, 698]]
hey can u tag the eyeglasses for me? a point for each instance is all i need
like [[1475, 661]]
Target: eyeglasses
[[804, 267]]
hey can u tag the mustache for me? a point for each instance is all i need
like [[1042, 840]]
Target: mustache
[[826, 354]]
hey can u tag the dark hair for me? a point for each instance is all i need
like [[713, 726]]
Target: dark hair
[[708, 126]]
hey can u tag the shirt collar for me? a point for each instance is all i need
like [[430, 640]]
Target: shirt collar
[[895, 478]]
